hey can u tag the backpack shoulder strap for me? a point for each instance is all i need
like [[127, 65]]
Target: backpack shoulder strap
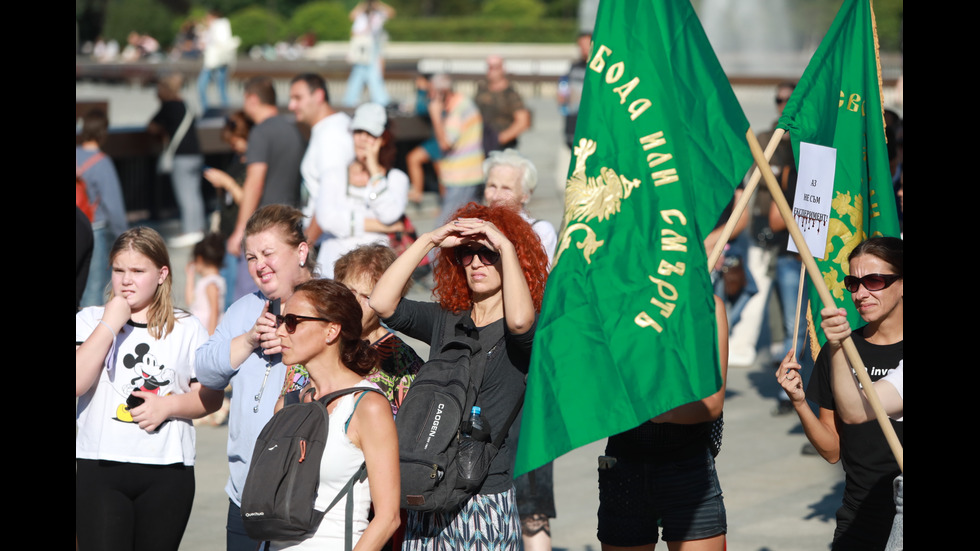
[[360, 475], [359, 398], [89, 163]]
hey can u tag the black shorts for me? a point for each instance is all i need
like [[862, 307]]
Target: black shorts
[[637, 495]]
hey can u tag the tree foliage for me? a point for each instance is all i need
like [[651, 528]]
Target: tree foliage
[[143, 16], [326, 19], [526, 10], [257, 26]]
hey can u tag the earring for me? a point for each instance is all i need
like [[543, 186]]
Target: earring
[[302, 263]]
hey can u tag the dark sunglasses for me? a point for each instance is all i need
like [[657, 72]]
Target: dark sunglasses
[[465, 256], [292, 320], [871, 282]]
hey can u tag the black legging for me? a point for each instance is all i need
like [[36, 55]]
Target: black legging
[[131, 506]]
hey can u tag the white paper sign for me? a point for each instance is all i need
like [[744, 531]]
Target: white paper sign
[[814, 191]]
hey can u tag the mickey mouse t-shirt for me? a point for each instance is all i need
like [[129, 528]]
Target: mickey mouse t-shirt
[[136, 361]]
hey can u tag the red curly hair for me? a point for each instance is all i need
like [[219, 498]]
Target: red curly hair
[[451, 290]]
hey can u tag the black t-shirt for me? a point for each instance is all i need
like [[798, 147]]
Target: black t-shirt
[[869, 464], [503, 384], [170, 115]]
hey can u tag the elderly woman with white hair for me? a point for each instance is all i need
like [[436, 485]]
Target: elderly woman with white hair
[[510, 180]]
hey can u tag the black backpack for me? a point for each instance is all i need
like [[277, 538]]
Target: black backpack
[[443, 461], [284, 475]]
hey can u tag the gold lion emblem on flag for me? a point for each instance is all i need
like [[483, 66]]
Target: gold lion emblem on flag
[[590, 198]]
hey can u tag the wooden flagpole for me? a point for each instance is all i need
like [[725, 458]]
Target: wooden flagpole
[[743, 201], [811, 267]]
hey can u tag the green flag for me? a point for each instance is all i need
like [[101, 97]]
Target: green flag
[[838, 104], [627, 330]]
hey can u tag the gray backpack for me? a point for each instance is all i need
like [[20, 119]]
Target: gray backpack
[[443, 460], [284, 474]]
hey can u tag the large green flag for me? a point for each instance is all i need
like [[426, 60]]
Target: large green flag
[[838, 104], [627, 330]]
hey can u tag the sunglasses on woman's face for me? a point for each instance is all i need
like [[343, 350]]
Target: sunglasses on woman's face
[[871, 282], [465, 256], [292, 320]]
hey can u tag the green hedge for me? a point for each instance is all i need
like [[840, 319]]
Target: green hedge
[[481, 29], [328, 20], [257, 26]]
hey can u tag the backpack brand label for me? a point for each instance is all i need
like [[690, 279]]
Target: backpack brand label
[[435, 425]]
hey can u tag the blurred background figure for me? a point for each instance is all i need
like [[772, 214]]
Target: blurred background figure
[[186, 43], [426, 152], [371, 203], [504, 115], [107, 213], [174, 123], [458, 127], [366, 54], [205, 289], [569, 97], [228, 184], [220, 49], [510, 181], [140, 46]]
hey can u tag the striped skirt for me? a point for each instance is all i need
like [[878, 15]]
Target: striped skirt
[[487, 522]]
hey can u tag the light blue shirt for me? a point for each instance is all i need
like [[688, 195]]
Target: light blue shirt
[[254, 377]]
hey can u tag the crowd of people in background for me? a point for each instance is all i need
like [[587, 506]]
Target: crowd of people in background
[[317, 193]]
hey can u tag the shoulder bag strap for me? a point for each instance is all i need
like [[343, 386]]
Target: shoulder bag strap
[[179, 134], [83, 168]]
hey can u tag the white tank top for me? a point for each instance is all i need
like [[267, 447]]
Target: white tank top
[[341, 459]]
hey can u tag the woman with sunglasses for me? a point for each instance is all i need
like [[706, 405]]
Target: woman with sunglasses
[[245, 350], [320, 328], [371, 203], [844, 429], [491, 268]]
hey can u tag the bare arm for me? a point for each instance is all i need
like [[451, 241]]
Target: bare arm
[[373, 430], [215, 313], [522, 121], [90, 355], [439, 124], [191, 275], [743, 222], [252, 193], [776, 222], [820, 431], [711, 407], [387, 291], [851, 402], [222, 180], [313, 231]]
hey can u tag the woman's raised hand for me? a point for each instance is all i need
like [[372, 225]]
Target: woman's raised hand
[[263, 333], [447, 236], [371, 159], [475, 230], [834, 325], [788, 376]]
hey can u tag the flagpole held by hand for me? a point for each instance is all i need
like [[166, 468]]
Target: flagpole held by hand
[[811, 267], [799, 304]]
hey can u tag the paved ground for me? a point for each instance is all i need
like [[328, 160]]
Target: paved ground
[[777, 500]]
